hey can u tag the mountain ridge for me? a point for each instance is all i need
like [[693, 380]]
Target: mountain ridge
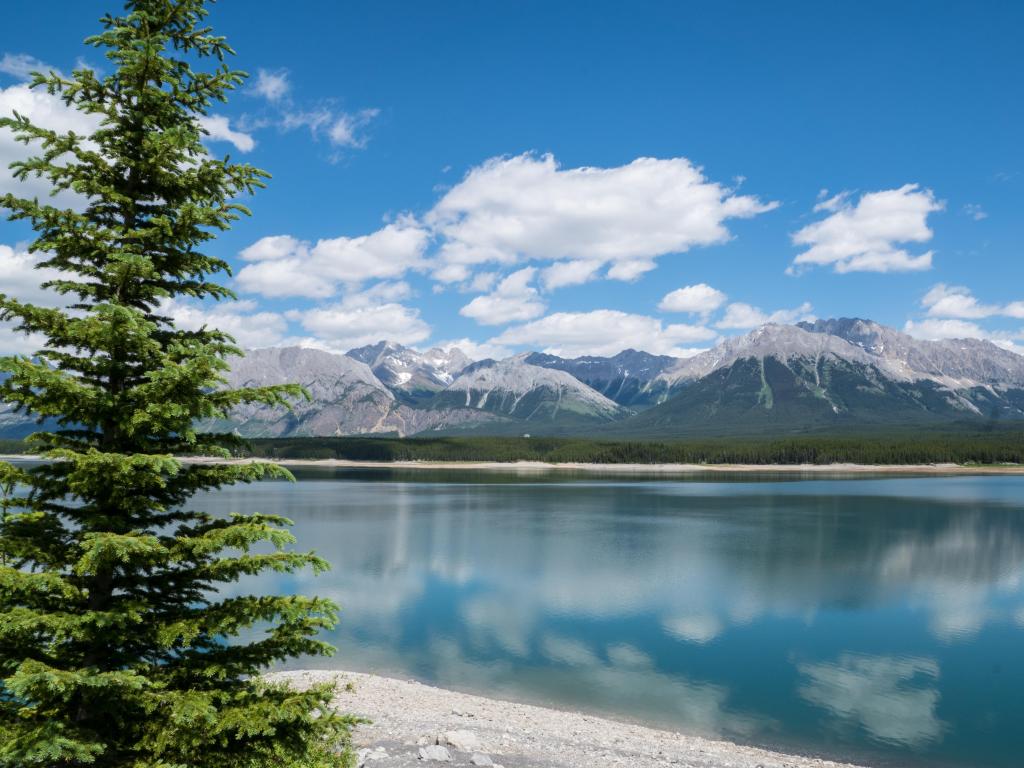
[[836, 374]]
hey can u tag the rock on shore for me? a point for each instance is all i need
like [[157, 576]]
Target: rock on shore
[[418, 725]]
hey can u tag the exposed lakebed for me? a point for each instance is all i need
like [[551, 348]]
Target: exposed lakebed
[[878, 620]]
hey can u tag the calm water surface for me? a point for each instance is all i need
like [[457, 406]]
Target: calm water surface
[[874, 619]]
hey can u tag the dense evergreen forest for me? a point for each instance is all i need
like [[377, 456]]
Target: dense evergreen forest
[[996, 447], [999, 447]]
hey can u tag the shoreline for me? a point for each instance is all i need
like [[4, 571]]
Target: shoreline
[[408, 716], [625, 469], [634, 469]]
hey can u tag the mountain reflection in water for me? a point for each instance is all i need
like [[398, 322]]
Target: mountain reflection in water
[[878, 619]]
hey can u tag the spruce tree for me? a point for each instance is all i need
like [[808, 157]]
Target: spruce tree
[[117, 647]]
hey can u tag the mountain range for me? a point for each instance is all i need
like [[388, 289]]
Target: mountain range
[[839, 374]]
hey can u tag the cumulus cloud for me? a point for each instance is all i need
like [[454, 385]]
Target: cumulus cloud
[[272, 86], [573, 272], [475, 350], [513, 300], [22, 279], [356, 323], [525, 208], [282, 265], [46, 111], [867, 236], [700, 299], [605, 332], [21, 65], [935, 328], [957, 301], [740, 316], [250, 327], [218, 128]]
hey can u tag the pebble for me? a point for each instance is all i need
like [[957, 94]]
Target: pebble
[[436, 753], [478, 758], [463, 741]]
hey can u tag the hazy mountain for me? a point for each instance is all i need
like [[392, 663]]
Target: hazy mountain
[[408, 372], [625, 378]]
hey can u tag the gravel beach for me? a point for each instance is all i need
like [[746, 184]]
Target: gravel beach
[[418, 725]]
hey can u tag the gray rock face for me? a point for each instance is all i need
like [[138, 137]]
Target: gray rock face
[[514, 388], [346, 398], [407, 370], [960, 363], [952, 362]]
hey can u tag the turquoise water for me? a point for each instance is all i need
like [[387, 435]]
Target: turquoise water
[[872, 619]]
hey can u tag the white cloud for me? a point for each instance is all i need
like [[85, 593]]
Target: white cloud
[[48, 112], [866, 237], [21, 65], [957, 301], [482, 282], [351, 324], [934, 328], [740, 316], [16, 343], [250, 327], [285, 266], [514, 209], [273, 86], [20, 279], [700, 299], [573, 272], [23, 281], [345, 130], [218, 128], [604, 332], [513, 300], [475, 350]]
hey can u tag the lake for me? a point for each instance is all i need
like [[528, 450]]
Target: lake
[[874, 619]]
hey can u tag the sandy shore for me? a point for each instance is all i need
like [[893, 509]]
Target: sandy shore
[[472, 730], [660, 469], [538, 467]]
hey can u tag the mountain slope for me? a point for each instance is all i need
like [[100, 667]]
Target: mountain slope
[[346, 398], [624, 378], [956, 363], [411, 375], [530, 394], [787, 379]]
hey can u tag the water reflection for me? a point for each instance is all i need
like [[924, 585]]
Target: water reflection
[[810, 615], [894, 699]]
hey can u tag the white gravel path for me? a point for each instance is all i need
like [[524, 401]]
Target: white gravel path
[[409, 717]]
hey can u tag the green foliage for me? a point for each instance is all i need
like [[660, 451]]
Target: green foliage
[[117, 644], [998, 446]]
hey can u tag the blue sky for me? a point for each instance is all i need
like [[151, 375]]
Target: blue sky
[[587, 176]]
